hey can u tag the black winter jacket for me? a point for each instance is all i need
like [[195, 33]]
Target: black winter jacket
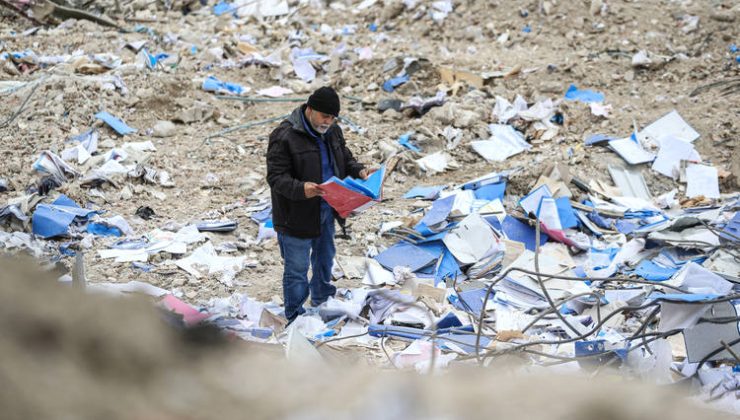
[[293, 158]]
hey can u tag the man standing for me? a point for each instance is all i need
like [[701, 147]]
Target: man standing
[[305, 150]]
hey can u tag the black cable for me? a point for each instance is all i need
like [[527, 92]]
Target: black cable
[[382, 346], [598, 326], [503, 274], [543, 314], [719, 350], [346, 337], [541, 282], [719, 235], [645, 324]]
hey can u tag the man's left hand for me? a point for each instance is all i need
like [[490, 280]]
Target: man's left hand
[[365, 173]]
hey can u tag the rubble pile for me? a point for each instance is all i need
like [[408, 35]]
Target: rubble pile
[[560, 184]]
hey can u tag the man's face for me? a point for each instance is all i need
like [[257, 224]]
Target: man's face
[[319, 121]]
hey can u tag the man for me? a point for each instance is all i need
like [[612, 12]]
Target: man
[[305, 150]]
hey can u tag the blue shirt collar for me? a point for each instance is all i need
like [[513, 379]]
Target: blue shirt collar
[[308, 127]]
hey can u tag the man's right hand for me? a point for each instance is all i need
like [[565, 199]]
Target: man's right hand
[[312, 189]]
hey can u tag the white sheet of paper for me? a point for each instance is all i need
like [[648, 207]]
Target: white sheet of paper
[[702, 180], [696, 279], [78, 153], [600, 110], [622, 295], [133, 286], [364, 53], [263, 8], [626, 252], [376, 275], [140, 146], [671, 124], [124, 255], [508, 319], [463, 203], [672, 151], [304, 70], [630, 151], [433, 163], [471, 240], [635, 203], [504, 143], [548, 213], [298, 350], [678, 315], [531, 202], [703, 236], [111, 167], [493, 151], [121, 223], [496, 207], [274, 91], [206, 256], [136, 45]]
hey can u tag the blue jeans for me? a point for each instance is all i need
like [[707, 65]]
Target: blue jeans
[[297, 253]]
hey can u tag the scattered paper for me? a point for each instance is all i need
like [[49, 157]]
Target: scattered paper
[[504, 143], [669, 125], [702, 180], [672, 151], [630, 151], [472, 240], [274, 92], [435, 162]]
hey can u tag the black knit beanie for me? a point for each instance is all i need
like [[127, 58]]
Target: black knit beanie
[[326, 100]]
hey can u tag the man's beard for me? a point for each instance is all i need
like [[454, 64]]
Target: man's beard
[[322, 129]]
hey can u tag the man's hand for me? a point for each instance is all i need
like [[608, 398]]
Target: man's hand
[[365, 173], [312, 189]]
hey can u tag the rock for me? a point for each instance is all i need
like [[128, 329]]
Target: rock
[[735, 170], [442, 114], [387, 104], [465, 118], [547, 8], [164, 129], [126, 193], [726, 16], [14, 167], [198, 112], [596, 6], [551, 87], [393, 115], [392, 10], [641, 59]]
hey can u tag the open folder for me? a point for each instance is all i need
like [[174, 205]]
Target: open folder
[[350, 195]]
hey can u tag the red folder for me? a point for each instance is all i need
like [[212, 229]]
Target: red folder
[[343, 200]]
